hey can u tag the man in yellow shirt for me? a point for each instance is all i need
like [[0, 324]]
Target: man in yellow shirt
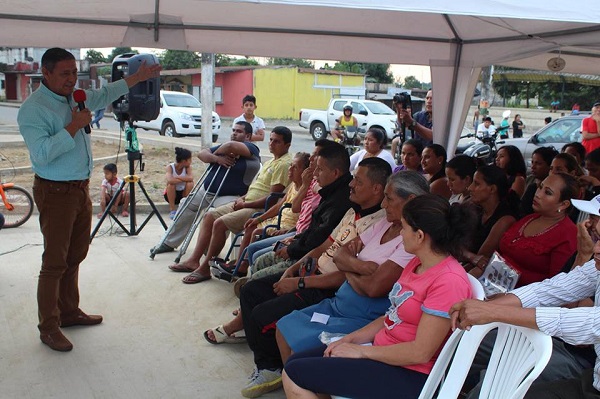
[[232, 216]]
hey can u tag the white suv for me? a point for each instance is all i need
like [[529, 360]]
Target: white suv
[[180, 115]]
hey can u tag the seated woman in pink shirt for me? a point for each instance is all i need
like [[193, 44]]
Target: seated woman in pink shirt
[[408, 338]]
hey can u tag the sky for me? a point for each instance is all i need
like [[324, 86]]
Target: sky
[[422, 73]]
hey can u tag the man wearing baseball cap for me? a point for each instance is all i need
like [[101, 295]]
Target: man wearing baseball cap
[[587, 234]]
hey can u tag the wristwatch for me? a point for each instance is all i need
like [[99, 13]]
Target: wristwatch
[[413, 124], [301, 284]]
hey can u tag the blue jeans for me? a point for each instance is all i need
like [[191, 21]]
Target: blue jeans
[[97, 116]]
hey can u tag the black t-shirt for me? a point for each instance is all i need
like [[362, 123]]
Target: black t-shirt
[[483, 229], [239, 177]]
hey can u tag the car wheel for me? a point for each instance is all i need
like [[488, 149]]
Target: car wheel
[[317, 131], [169, 130]]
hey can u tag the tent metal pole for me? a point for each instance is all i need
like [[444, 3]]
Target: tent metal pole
[[156, 19]]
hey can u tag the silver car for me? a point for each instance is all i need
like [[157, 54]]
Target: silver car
[[555, 134]]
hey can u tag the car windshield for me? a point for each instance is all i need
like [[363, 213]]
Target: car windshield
[[175, 100], [379, 109], [562, 131]]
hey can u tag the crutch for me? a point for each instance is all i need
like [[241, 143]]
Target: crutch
[[200, 215], [182, 208]]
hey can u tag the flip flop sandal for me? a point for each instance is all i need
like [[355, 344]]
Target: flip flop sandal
[[221, 337], [179, 268], [195, 278]]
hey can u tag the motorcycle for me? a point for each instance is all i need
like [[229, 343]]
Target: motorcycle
[[483, 148], [350, 138]]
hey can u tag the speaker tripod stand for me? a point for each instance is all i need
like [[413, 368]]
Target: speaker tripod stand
[[133, 154]]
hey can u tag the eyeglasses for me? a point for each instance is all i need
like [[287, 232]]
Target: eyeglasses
[[238, 130]]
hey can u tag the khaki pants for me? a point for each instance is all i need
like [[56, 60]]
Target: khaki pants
[[65, 221]]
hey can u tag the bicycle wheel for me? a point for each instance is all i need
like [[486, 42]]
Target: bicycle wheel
[[22, 202]]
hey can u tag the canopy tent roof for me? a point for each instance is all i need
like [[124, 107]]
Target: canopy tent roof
[[527, 75], [454, 39]]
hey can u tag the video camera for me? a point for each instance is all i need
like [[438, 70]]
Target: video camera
[[404, 99]]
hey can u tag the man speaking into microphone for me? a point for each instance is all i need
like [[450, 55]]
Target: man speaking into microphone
[[52, 125]]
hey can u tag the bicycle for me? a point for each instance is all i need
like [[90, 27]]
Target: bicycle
[[16, 205]]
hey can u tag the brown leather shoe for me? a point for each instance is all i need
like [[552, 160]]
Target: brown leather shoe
[[81, 319], [57, 341]]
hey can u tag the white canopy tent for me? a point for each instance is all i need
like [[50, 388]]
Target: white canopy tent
[[455, 39]]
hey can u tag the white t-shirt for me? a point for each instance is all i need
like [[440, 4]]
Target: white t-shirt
[[358, 156], [111, 189], [257, 123], [485, 132]]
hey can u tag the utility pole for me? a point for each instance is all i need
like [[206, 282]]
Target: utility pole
[[486, 82], [207, 91]]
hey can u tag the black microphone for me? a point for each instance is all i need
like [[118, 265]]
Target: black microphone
[[80, 97]]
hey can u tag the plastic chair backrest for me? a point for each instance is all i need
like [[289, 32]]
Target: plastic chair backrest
[[437, 375], [476, 287], [519, 356]]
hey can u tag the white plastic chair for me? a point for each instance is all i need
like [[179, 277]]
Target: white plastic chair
[[437, 375], [519, 356], [476, 287], [478, 293]]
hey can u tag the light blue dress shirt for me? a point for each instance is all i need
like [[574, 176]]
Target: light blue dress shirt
[[54, 154]]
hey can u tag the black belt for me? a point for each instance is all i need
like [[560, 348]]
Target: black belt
[[76, 183]]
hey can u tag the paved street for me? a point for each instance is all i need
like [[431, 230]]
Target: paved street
[[301, 141]]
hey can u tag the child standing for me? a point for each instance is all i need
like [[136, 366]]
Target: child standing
[[110, 185], [179, 179], [258, 125]]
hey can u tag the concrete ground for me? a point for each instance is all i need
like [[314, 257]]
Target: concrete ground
[[150, 344]]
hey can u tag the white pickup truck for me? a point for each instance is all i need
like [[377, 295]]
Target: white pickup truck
[[368, 113], [180, 115]]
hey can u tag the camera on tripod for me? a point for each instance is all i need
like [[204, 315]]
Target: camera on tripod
[[404, 99]]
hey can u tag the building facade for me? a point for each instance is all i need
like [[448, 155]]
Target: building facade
[[280, 91]]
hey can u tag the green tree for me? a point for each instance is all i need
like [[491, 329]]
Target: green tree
[[225, 60], [344, 66], [120, 50], [299, 62], [411, 82], [244, 62], [222, 60], [179, 59], [95, 57], [379, 73]]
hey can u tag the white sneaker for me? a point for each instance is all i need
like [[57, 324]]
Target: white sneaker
[[261, 382]]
